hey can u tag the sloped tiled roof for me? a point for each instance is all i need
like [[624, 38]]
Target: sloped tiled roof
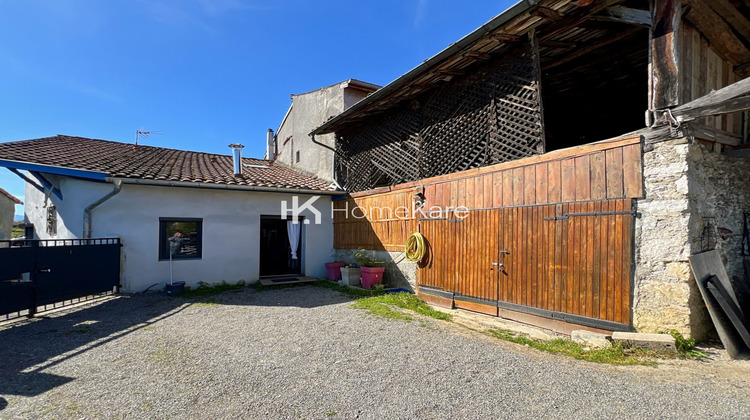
[[10, 196], [124, 160]]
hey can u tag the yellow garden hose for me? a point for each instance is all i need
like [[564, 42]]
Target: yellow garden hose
[[416, 247]]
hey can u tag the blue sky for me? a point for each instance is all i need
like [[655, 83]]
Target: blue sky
[[206, 73]]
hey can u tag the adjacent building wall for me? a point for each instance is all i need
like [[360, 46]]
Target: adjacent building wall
[[694, 202], [231, 229], [7, 211], [307, 112]]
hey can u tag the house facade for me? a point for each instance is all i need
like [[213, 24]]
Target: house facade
[[226, 226], [7, 212], [292, 143], [595, 147]]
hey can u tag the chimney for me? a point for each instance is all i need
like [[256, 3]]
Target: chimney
[[237, 157], [270, 146]]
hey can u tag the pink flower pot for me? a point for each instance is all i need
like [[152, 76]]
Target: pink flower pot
[[334, 270], [372, 276]]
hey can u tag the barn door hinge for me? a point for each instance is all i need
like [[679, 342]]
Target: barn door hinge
[[600, 213]]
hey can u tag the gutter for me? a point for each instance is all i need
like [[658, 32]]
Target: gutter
[[87, 211], [493, 24], [185, 184]]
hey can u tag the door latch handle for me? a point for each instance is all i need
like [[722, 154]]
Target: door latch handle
[[45, 270], [505, 251], [500, 266]]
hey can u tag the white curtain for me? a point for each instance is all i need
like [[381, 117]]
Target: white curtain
[[292, 230]]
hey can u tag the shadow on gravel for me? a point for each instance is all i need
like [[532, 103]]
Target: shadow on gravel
[[27, 347]]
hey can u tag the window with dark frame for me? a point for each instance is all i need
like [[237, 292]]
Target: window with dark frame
[[297, 157], [182, 237]]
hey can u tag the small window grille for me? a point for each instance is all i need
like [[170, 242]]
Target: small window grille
[[52, 220]]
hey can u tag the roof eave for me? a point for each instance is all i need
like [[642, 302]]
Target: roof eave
[[496, 22]]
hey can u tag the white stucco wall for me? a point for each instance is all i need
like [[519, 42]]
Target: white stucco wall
[[309, 111], [231, 229]]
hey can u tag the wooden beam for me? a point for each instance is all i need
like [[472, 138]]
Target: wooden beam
[[626, 15], [546, 13], [726, 107], [732, 91], [477, 55], [593, 47], [704, 132], [574, 19], [733, 16], [559, 44], [449, 72], [664, 63], [719, 34], [501, 37]]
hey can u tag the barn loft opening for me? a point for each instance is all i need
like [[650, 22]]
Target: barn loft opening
[[594, 82]]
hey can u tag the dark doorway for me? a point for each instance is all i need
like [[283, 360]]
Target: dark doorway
[[275, 252]]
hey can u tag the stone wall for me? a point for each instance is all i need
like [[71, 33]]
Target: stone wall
[[694, 202], [399, 272]]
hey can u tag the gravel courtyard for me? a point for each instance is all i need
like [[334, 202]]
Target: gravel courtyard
[[304, 353]]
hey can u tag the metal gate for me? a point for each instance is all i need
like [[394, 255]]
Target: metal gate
[[37, 273], [570, 262]]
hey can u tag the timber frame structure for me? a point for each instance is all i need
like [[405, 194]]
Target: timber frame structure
[[543, 123]]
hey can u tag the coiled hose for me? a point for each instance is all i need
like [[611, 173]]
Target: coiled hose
[[416, 247]]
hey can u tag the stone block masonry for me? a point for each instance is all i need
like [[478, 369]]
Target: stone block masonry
[[694, 202]]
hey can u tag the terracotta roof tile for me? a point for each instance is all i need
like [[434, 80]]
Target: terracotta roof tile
[[124, 160], [10, 196]]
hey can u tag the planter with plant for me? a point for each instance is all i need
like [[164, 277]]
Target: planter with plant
[[372, 268]]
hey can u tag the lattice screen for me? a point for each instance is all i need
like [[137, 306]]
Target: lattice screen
[[491, 116]]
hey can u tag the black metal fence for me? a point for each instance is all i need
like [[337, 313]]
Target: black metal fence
[[38, 274]]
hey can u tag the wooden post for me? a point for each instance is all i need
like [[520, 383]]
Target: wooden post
[[664, 62], [542, 148]]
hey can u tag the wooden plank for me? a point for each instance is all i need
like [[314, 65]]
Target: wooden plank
[[476, 307], [618, 239], [627, 262], [613, 161], [551, 249], [559, 270], [583, 178], [632, 171], [611, 261], [490, 193], [541, 183], [478, 193], [568, 180], [508, 188], [554, 182], [598, 176], [596, 271], [518, 186], [529, 185], [439, 301]]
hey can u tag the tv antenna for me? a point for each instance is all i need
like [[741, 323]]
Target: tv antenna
[[144, 134]]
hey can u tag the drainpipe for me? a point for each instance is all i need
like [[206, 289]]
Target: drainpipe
[[333, 164], [97, 203]]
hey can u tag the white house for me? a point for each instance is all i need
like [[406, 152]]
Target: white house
[[227, 218]]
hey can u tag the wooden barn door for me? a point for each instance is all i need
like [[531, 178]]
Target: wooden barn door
[[566, 261], [569, 261]]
